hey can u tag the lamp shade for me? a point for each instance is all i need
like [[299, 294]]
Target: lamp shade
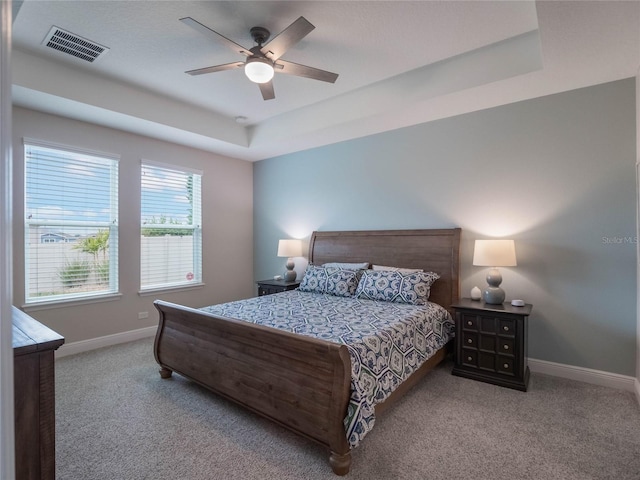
[[494, 253], [289, 248], [258, 70]]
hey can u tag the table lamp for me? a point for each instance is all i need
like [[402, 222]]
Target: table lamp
[[494, 253], [290, 248]]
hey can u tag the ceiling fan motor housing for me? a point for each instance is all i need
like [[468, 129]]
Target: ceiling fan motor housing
[[259, 35]]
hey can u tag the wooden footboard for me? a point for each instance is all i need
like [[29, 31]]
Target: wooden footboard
[[300, 382]]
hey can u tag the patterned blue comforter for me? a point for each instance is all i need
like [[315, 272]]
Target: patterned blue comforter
[[387, 341]]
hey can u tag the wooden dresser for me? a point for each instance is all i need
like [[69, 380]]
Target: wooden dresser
[[34, 393]]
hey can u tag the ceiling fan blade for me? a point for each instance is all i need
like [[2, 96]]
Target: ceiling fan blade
[[287, 38], [207, 32], [291, 68], [267, 90], [216, 68]]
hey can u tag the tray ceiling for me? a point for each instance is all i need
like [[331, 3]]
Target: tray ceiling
[[400, 63]]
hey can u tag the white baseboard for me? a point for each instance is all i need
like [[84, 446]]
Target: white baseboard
[[106, 341], [587, 375], [637, 385]]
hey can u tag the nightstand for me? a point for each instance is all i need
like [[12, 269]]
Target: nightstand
[[267, 287], [491, 343]]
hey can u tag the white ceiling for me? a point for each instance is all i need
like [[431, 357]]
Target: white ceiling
[[400, 63]]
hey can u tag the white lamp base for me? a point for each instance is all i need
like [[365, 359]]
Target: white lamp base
[[493, 294], [290, 274]]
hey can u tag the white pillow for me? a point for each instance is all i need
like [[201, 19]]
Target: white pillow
[[404, 271], [347, 266]]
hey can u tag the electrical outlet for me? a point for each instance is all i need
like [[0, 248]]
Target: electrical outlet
[[142, 315]]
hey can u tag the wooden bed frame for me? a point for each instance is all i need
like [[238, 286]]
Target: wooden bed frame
[[300, 382]]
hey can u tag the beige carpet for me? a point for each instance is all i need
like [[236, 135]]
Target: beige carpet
[[117, 419]]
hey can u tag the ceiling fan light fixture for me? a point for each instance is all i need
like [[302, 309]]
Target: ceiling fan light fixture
[[259, 70]]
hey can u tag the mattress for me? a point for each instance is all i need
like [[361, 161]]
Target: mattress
[[387, 341]]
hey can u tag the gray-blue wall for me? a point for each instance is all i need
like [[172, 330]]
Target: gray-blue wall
[[557, 174]]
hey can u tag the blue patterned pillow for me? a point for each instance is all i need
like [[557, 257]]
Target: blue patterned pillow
[[335, 281], [413, 288]]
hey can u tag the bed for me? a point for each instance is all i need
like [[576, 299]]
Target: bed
[[299, 381]]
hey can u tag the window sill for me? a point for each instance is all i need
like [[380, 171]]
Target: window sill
[[178, 288], [72, 302]]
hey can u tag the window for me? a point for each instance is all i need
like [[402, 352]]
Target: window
[[71, 223], [171, 232]]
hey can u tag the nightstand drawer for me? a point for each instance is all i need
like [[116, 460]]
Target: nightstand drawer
[[469, 358], [269, 290], [469, 322], [507, 326], [506, 346], [469, 340], [505, 365]]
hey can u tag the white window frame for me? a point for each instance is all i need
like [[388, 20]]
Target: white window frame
[[111, 225], [196, 226]]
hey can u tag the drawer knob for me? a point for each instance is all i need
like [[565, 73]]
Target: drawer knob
[[506, 365], [505, 328], [506, 347], [469, 323], [469, 359], [469, 341]]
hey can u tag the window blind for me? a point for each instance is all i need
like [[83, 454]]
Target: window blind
[[71, 224], [171, 233]]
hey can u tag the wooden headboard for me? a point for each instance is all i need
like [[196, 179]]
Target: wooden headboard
[[432, 250]]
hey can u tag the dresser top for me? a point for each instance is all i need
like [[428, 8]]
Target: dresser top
[[486, 307], [29, 335]]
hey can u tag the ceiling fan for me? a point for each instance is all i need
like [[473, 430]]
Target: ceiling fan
[[264, 58]]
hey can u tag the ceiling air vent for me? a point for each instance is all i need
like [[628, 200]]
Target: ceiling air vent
[[73, 44]]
